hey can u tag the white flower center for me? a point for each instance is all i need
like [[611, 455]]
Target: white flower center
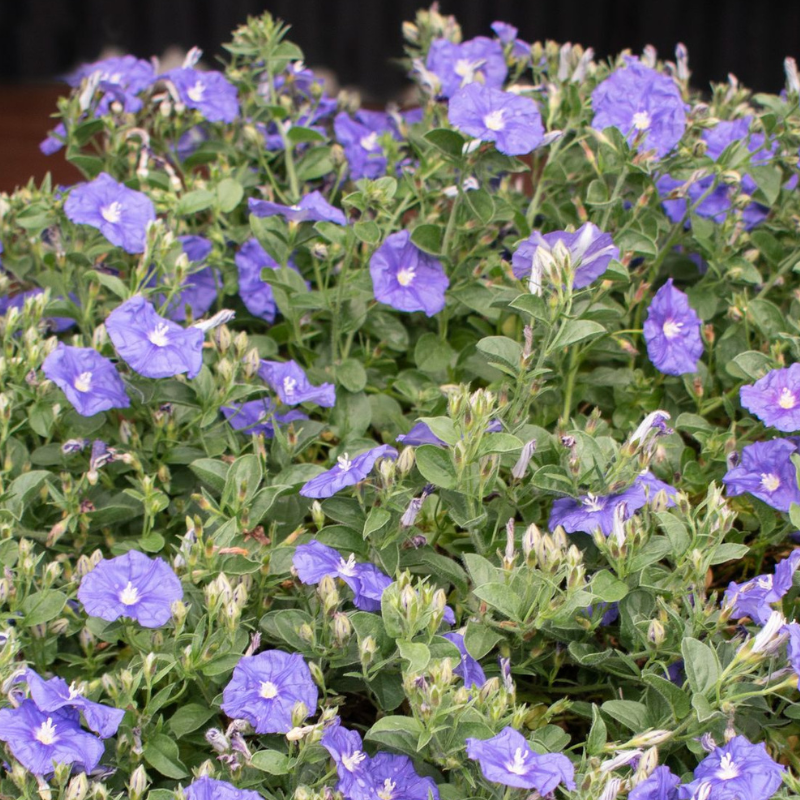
[[353, 760], [641, 120], [111, 213], [158, 336], [466, 69], [494, 120], [46, 732], [74, 690], [406, 275], [289, 385], [787, 398], [268, 690], [348, 567], [344, 463], [727, 769], [129, 595], [83, 382], [770, 481], [671, 328], [369, 142], [594, 503], [197, 91], [518, 765], [387, 793], [764, 582]]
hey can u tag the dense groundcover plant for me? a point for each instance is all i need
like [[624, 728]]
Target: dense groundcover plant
[[446, 452]]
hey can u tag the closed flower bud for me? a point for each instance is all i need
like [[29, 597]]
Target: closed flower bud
[[306, 633], [405, 461], [300, 710], [656, 633], [342, 629], [77, 787], [138, 783], [651, 738], [326, 589], [217, 739], [59, 627], [179, 612], [367, 648], [317, 514]]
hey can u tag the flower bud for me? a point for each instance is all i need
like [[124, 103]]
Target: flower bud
[[77, 787], [367, 648], [317, 514], [342, 629], [405, 461], [300, 710], [656, 633], [138, 783]]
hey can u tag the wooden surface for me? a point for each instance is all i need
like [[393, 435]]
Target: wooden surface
[[25, 119]]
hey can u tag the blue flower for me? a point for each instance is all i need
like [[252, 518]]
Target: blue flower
[[512, 122], [89, 380], [210, 93], [205, 788], [55, 141], [590, 511], [766, 471], [363, 151], [507, 34], [131, 585], [151, 345], [394, 778], [198, 290], [315, 561], [313, 208], [38, 739], [55, 324], [753, 598], [121, 78], [469, 669], [406, 278], [792, 630], [256, 294], [419, 434], [266, 688], [508, 759], [661, 784], [640, 101], [672, 332], [54, 695], [119, 213], [479, 60], [347, 472], [290, 382], [775, 398], [738, 771], [257, 417], [351, 761]]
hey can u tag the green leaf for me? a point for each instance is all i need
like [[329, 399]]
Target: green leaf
[[229, 195], [272, 762], [701, 665], [577, 330], [428, 238], [161, 753], [481, 204], [377, 519], [242, 481], [480, 639], [41, 607], [674, 695], [298, 134], [314, 164], [608, 587], [397, 733], [196, 201], [351, 375], [417, 655], [598, 735], [432, 354], [367, 231], [211, 471], [768, 179], [110, 282], [500, 597], [498, 443], [436, 467], [630, 713], [446, 141], [502, 351], [189, 718]]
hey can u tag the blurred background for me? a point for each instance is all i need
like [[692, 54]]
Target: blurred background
[[357, 41]]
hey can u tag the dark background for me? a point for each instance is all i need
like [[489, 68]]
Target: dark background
[[357, 39]]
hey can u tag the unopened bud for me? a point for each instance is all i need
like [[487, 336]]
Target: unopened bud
[[656, 633], [342, 629], [138, 783], [77, 788]]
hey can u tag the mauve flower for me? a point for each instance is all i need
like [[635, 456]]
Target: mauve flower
[[589, 512], [265, 689], [205, 788], [351, 761], [290, 382], [512, 122], [119, 213], [672, 332], [738, 771], [469, 668], [478, 60], [256, 293], [639, 100], [714, 205], [753, 598], [39, 739], [121, 78], [151, 345], [363, 151], [507, 34], [393, 777], [775, 398], [90, 381], [54, 141], [131, 585], [792, 630], [190, 141], [590, 250], [346, 472], [198, 290], [312, 208], [766, 471], [508, 759], [210, 93], [54, 694], [653, 486], [257, 416], [315, 561], [406, 278], [419, 434], [661, 784]]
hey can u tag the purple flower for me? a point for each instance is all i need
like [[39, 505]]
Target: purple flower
[[406, 278], [512, 122], [265, 689], [257, 294], [419, 434], [209, 92], [315, 561], [591, 511], [89, 380], [589, 248], [469, 668], [661, 784], [508, 759], [257, 417], [653, 486], [672, 332], [55, 324], [120, 77], [478, 60], [198, 290], [313, 207], [738, 771], [55, 141], [793, 645], [394, 778], [119, 213], [362, 149], [766, 471], [775, 398], [290, 382], [54, 695], [346, 472], [190, 141], [151, 345], [205, 788], [351, 761], [507, 34], [754, 597], [608, 613], [639, 100], [131, 585], [39, 739]]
